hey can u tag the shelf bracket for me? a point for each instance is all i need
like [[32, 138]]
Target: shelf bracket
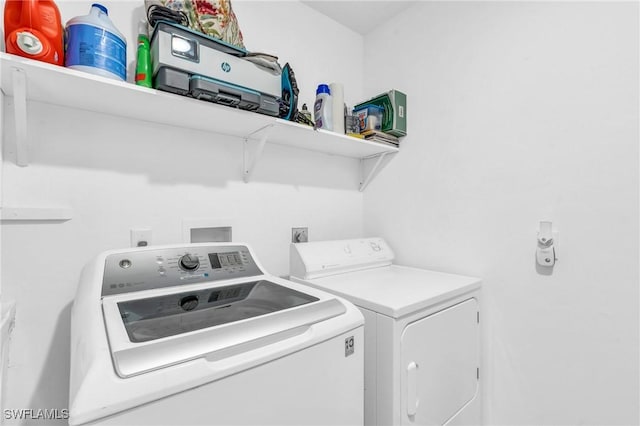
[[253, 147], [20, 114], [371, 166]]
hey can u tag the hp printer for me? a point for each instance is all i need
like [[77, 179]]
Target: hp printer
[[193, 64]]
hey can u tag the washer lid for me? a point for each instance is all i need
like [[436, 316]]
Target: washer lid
[[147, 333], [395, 290], [172, 314]]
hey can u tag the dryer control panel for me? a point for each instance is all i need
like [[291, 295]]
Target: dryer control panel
[[325, 258], [146, 269]]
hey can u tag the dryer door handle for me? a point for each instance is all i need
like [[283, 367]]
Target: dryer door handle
[[412, 389]]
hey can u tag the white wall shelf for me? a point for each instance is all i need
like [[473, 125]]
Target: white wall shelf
[[29, 80], [57, 214]]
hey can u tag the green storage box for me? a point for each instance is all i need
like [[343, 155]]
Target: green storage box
[[394, 118]]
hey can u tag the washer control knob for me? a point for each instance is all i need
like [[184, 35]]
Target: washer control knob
[[189, 303], [189, 262]]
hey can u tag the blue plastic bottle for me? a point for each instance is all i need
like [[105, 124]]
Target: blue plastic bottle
[[95, 45], [323, 108]]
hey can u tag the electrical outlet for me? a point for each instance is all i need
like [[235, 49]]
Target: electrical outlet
[[299, 235], [140, 237]]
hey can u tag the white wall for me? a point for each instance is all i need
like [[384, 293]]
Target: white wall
[[521, 112], [117, 174]]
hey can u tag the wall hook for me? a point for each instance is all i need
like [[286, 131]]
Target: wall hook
[[546, 252]]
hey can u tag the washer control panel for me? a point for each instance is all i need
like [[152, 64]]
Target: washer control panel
[[167, 267]]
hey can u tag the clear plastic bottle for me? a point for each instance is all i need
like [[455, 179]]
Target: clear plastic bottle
[[95, 45], [323, 108]]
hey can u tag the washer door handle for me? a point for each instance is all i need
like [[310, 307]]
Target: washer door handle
[[412, 389]]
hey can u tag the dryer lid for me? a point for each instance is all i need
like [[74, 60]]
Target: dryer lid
[[395, 290]]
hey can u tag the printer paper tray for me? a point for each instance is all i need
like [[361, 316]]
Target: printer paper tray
[[203, 88]]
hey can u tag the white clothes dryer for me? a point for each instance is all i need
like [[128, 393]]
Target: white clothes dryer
[[422, 332], [200, 334]]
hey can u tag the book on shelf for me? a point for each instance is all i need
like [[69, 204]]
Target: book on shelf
[[377, 136], [356, 135]]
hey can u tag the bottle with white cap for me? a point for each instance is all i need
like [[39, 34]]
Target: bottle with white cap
[[323, 108], [95, 45]]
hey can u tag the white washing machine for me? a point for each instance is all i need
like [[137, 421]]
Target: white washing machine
[[422, 333], [201, 334]]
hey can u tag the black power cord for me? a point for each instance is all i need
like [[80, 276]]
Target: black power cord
[[156, 13]]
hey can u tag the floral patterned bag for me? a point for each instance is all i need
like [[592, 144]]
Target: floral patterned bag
[[212, 17]]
